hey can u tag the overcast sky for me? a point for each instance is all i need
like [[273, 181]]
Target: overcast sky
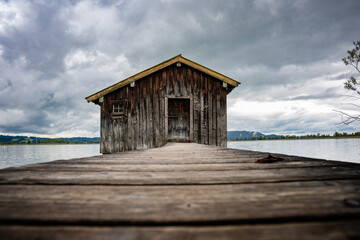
[[287, 55]]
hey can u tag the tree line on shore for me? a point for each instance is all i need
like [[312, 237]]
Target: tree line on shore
[[307, 136], [5, 140]]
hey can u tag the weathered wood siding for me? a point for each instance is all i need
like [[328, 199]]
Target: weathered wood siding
[[145, 122]]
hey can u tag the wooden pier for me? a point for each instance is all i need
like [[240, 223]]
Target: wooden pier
[[181, 191]]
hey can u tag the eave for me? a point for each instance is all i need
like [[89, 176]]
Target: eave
[[94, 97]]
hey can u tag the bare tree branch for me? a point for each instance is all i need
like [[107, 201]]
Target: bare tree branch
[[353, 104], [352, 84], [349, 119]]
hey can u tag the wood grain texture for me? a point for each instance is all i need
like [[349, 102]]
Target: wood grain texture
[[181, 191], [293, 231], [176, 204]]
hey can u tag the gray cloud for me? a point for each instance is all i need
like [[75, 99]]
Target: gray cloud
[[285, 53], [328, 93]]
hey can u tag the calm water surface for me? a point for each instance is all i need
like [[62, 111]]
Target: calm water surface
[[15, 155], [347, 150]]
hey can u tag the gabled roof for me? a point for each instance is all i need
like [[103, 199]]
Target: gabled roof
[[158, 67]]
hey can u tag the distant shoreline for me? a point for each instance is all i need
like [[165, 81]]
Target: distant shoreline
[[29, 144], [281, 139], [14, 140]]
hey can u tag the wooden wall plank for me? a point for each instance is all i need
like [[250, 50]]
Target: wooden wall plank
[[223, 115], [149, 123], [162, 108], [138, 118], [213, 113], [210, 121], [202, 110], [206, 110], [156, 110], [177, 82], [196, 97], [218, 119], [144, 115]]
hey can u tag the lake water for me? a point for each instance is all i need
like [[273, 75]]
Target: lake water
[[346, 150], [15, 155]]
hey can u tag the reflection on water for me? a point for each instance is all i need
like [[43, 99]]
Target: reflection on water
[[347, 150], [15, 155]]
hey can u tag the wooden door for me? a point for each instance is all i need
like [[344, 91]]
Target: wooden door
[[178, 119]]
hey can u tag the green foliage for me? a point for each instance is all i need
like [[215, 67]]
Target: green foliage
[[35, 140], [308, 136], [56, 141], [353, 59]]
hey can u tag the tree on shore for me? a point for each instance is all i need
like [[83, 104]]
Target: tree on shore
[[352, 84]]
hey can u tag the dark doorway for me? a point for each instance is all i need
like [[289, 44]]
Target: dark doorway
[[178, 119]]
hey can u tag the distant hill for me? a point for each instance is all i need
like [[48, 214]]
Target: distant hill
[[233, 135], [5, 139], [242, 135], [82, 139], [27, 140], [20, 139]]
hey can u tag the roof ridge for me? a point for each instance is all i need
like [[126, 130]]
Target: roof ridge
[[158, 67]]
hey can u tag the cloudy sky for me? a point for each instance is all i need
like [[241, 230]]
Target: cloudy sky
[[287, 55]]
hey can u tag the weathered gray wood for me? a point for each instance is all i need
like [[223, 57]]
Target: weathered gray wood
[[156, 112], [191, 154], [162, 113], [218, 120], [196, 97], [178, 177], [149, 105], [146, 105], [177, 84], [144, 116], [333, 230], [143, 166], [191, 203], [206, 111], [181, 191], [210, 114], [244, 162], [223, 119]]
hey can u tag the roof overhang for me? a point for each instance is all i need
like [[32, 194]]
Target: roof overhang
[[158, 67]]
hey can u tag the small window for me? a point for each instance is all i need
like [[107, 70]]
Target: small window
[[118, 108]]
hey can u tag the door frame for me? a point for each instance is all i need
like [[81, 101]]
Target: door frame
[[167, 97]]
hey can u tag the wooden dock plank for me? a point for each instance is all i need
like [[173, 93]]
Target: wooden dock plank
[[181, 158], [170, 167], [295, 231], [178, 177], [181, 191], [193, 203]]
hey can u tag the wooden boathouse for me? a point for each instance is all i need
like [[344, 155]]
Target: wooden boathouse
[[176, 100]]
